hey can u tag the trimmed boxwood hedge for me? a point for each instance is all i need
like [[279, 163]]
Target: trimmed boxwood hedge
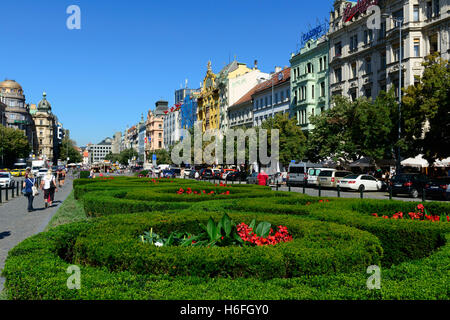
[[317, 248], [334, 242]]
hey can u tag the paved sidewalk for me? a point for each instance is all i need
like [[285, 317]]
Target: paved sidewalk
[[17, 224]]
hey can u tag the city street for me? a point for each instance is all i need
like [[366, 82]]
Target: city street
[[17, 224]]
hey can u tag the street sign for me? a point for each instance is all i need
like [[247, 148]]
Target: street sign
[[154, 157]]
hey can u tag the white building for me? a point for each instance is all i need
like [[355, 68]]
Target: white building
[[276, 90], [97, 152], [364, 62], [172, 128]]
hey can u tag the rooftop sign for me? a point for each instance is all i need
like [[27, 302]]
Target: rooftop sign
[[360, 7]]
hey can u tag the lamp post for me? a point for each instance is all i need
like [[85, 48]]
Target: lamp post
[[400, 27]]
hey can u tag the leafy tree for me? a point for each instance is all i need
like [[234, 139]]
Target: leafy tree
[[113, 157], [13, 144], [68, 150], [351, 130], [163, 156], [127, 155], [426, 112]]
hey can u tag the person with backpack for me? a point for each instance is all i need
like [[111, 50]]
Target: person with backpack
[[48, 184], [29, 191]]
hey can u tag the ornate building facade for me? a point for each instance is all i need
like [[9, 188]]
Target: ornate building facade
[[364, 62], [45, 123], [17, 113], [154, 129], [208, 102], [309, 81]]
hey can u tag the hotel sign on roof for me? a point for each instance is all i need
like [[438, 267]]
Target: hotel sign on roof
[[360, 7]]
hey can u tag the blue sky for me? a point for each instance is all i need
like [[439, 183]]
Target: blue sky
[[129, 54]]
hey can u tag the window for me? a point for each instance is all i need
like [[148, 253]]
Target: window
[[382, 32], [429, 9], [276, 97], [322, 89], [398, 15], [368, 36], [368, 92], [416, 13], [338, 49], [320, 64], [368, 65], [354, 43], [353, 69], [417, 47], [288, 94], [396, 50], [338, 74], [433, 43], [383, 60], [265, 101], [324, 63], [282, 96], [436, 9]]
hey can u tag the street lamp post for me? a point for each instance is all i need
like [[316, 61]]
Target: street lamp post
[[400, 27]]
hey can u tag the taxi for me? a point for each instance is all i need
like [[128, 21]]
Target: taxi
[[16, 172]]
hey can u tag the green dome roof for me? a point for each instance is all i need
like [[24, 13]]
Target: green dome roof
[[44, 105]]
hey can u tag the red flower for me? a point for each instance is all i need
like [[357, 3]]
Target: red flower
[[420, 207], [448, 219], [375, 215]]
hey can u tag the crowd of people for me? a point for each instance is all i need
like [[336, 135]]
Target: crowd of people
[[49, 184]]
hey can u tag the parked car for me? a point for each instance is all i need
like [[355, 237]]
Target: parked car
[[276, 178], [192, 173], [360, 182], [438, 188], [313, 173], [329, 178], [236, 176], [298, 173], [205, 174], [6, 180], [225, 172], [409, 183], [35, 170], [176, 170], [253, 178], [216, 173], [15, 172]]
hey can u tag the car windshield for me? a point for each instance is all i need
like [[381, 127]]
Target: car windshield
[[326, 173], [341, 174], [352, 176], [4, 175], [297, 170], [402, 178], [441, 181]]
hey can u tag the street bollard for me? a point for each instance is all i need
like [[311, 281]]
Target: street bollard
[[6, 193], [12, 192], [390, 193], [289, 186], [361, 194], [17, 189], [320, 191], [339, 191], [424, 196], [304, 188], [1, 194]]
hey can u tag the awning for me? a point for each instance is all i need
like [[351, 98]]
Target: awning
[[442, 163], [417, 162]]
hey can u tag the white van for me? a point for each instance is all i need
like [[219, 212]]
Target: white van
[[298, 173]]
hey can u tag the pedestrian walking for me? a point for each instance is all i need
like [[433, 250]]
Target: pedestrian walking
[[29, 191], [62, 177], [196, 175], [48, 184], [262, 178]]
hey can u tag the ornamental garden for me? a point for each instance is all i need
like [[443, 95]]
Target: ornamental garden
[[182, 239]]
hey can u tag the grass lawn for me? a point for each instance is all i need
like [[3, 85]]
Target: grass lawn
[[70, 211]]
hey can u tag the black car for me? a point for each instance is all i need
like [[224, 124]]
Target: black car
[[409, 183], [439, 188], [236, 176], [206, 174], [192, 173], [169, 174]]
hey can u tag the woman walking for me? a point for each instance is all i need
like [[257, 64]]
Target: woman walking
[[48, 184], [28, 185]]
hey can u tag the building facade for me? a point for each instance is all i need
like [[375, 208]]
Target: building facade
[[208, 102], [17, 113], [98, 152], [154, 127], [141, 140], [116, 141], [364, 62], [309, 81], [46, 144], [272, 96], [172, 128]]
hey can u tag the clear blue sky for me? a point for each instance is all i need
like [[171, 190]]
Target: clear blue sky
[[129, 54]]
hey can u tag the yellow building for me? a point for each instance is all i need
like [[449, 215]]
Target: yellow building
[[213, 92]]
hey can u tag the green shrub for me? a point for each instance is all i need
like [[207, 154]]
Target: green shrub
[[84, 174]]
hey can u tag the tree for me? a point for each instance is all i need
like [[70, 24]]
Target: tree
[[292, 140], [13, 144], [426, 112], [127, 155], [163, 156], [352, 130], [68, 150], [113, 157]]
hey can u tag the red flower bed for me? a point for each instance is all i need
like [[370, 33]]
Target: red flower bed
[[190, 191], [246, 233], [421, 214], [319, 201]]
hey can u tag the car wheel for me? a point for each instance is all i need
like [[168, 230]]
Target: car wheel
[[414, 193], [361, 188]]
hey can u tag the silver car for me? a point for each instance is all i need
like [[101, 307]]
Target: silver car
[[6, 180]]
